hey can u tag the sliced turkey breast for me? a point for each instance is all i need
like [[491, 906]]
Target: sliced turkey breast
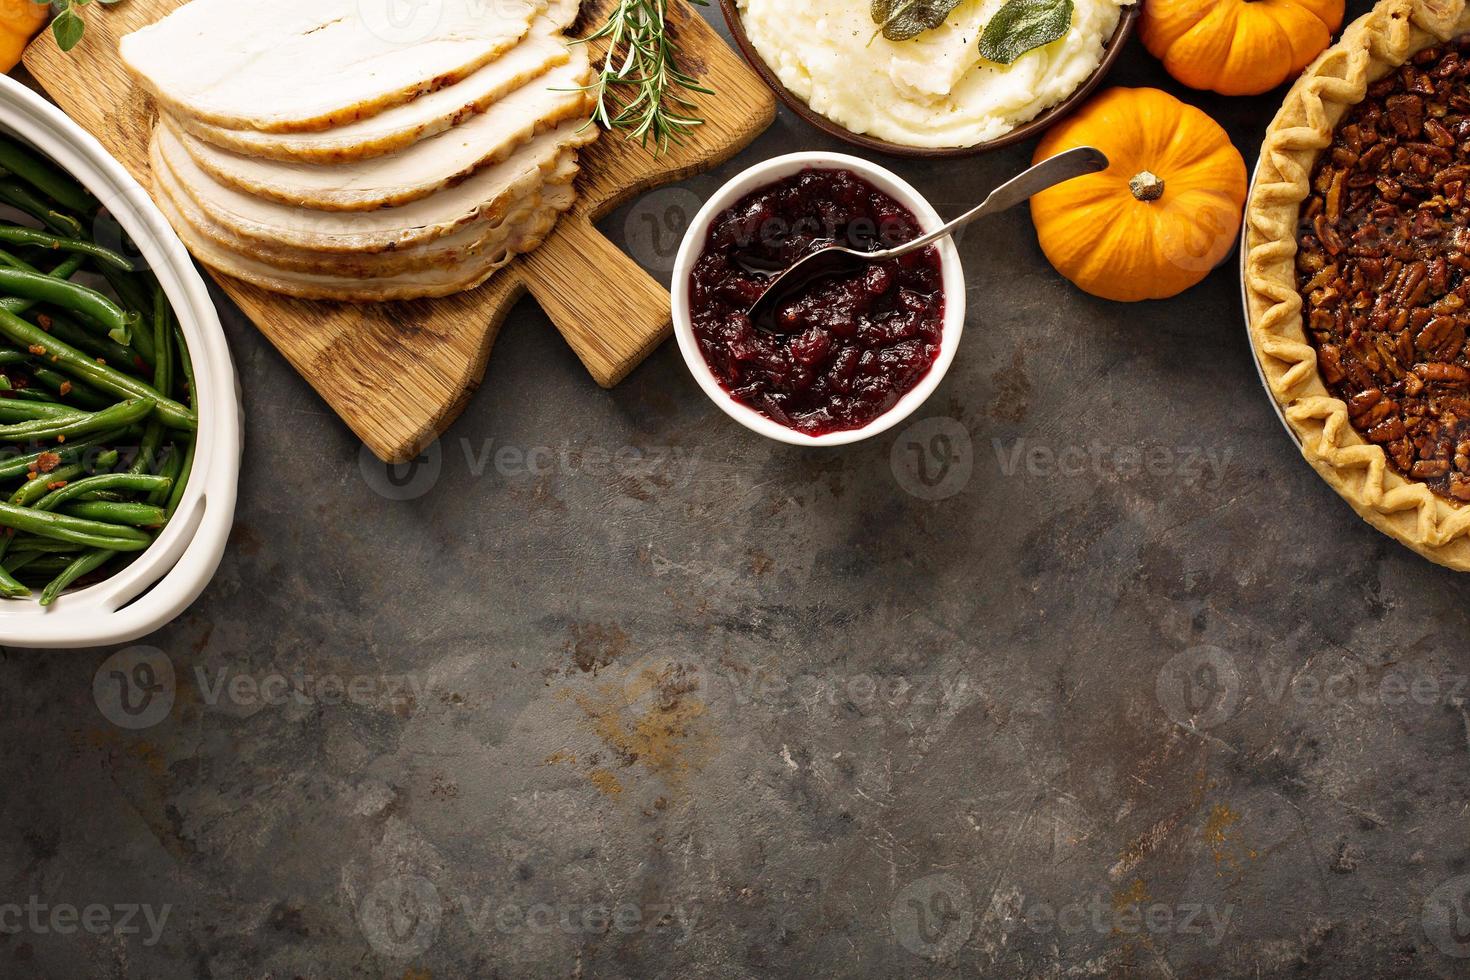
[[420, 284], [289, 66], [460, 247], [421, 169], [428, 115], [486, 196]]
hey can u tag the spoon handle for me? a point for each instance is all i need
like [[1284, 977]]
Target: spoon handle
[[1048, 173]]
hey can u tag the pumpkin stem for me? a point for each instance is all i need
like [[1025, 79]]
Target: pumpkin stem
[[1147, 186]]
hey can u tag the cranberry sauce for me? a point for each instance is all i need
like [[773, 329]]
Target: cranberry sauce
[[846, 347]]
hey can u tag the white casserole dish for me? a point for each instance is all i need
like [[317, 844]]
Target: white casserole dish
[[171, 574]]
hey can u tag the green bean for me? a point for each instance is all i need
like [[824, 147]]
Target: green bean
[[10, 588], [134, 296], [147, 459], [123, 413], [186, 362], [14, 564], [63, 327], [139, 482], [172, 466], [75, 530], [70, 452], [72, 361], [16, 235], [40, 567], [16, 410], [33, 395], [17, 195], [65, 270], [84, 397], [81, 566], [163, 355], [67, 295], [8, 356], [33, 490], [46, 177], [133, 293], [68, 268], [127, 514], [26, 546], [131, 289], [162, 380], [24, 255], [181, 482]]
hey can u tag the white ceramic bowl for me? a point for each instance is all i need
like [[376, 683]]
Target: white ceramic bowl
[[768, 173], [169, 576]]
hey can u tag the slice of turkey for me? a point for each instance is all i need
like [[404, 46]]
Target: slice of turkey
[[291, 66], [461, 246], [422, 284], [421, 169], [484, 196], [387, 132]]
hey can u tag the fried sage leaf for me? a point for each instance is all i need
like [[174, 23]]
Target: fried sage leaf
[[902, 20], [1024, 25]]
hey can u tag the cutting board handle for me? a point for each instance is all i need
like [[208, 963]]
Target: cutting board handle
[[610, 310]]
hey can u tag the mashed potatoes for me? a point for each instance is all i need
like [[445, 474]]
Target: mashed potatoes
[[932, 91]]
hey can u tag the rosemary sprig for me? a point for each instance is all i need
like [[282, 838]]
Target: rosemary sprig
[[641, 90]]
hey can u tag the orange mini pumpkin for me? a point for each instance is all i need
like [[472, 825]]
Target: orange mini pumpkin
[[1164, 213], [1238, 47], [19, 22]]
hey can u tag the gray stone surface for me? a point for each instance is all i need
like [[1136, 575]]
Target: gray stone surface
[[1138, 696]]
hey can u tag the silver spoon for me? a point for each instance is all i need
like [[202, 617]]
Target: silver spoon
[[835, 258]]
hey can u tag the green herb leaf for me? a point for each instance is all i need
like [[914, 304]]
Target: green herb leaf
[[901, 20], [68, 29], [1024, 25]]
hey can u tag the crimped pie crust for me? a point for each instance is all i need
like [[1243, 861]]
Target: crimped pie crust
[[1372, 46]]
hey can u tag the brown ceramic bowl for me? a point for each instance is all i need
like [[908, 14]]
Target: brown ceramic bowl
[[1111, 50]]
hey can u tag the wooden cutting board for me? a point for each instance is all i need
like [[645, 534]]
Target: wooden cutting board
[[399, 373]]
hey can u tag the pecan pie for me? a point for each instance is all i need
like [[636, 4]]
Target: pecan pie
[[1383, 249], [1357, 270]]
